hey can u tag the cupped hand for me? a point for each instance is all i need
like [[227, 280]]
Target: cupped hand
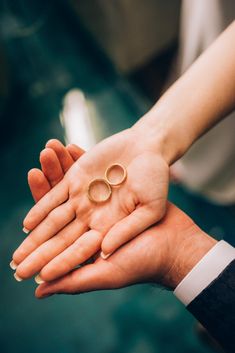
[[163, 255], [78, 225]]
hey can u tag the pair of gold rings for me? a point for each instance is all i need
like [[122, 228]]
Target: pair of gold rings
[[100, 189]]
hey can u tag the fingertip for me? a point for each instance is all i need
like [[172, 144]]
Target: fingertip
[[13, 265], [42, 292], [32, 219], [35, 177], [22, 271], [43, 151], [28, 224], [38, 184], [72, 146], [106, 249], [34, 171], [15, 258], [75, 151], [46, 276], [47, 288], [105, 256], [38, 279], [48, 160], [53, 142], [18, 256], [17, 277], [47, 152]]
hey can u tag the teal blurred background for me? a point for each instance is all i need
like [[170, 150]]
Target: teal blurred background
[[48, 55]]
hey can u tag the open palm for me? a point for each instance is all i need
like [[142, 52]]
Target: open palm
[[71, 228]]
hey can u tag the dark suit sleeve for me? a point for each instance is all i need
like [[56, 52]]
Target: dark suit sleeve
[[214, 307]]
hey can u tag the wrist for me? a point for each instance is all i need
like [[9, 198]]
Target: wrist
[[159, 133], [191, 251]]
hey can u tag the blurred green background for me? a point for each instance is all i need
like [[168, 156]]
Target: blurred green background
[[46, 53]]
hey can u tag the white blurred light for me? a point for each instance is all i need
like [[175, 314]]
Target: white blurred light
[[76, 120]]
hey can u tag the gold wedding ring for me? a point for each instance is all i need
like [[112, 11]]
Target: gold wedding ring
[[99, 190], [118, 167], [94, 188]]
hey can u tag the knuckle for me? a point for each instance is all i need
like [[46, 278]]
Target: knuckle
[[107, 246], [42, 257], [50, 221], [29, 222], [64, 239], [33, 243], [81, 251]]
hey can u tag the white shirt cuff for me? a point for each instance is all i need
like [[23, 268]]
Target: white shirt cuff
[[205, 271]]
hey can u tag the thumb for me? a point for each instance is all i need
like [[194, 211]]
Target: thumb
[[128, 228], [98, 276]]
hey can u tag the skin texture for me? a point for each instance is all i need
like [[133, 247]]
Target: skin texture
[[66, 225], [199, 99], [53, 167], [70, 228], [164, 254]]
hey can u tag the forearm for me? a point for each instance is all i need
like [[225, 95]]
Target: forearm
[[204, 95]]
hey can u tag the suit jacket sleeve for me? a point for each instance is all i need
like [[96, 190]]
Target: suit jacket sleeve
[[214, 307]]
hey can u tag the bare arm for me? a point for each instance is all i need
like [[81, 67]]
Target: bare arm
[[204, 95]]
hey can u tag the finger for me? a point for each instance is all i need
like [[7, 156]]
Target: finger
[[75, 151], [51, 166], [131, 264], [51, 225], [63, 155], [97, 276], [128, 228], [50, 249], [38, 184], [45, 205], [80, 251]]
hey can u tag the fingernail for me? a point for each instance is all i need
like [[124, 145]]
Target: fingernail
[[25, 230], [104, 256], [38, 280], [13, 265], [18, 278]]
